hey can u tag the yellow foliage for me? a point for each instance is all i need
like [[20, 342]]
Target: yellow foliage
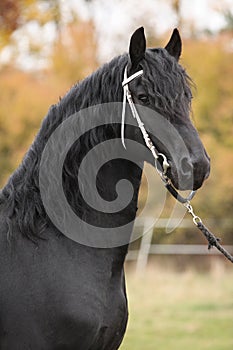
[[211, 67], [24, 101], [12, 16], [74, 56], [210, 64], [26, 97]]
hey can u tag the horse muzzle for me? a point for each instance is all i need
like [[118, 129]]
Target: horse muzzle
[[189, 173]]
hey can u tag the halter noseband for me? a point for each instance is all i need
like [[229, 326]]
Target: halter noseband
[[148, 142]]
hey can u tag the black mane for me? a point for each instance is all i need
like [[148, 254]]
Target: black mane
[[164, 79], [171, 94]]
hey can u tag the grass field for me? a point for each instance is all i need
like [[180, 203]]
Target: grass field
[[179, 311]]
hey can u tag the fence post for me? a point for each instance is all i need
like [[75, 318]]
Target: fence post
[[144, 249]]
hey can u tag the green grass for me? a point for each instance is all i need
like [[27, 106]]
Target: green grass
[[176, 311]]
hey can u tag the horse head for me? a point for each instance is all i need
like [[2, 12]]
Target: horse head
[[161, 93]]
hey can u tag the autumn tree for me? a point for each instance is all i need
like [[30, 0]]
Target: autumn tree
[[74, 55], [26, 96], [14, 14]]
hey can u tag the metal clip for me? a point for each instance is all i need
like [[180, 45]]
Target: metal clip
[[196, 219], [165, 163]]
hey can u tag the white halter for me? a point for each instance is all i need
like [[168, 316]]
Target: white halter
[[128, 97]]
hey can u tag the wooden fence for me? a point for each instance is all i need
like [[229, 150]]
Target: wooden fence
[[146, 248]]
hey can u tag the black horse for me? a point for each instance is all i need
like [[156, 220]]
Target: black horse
[[60, 293]]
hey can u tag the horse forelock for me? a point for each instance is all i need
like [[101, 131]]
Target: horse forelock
[[167, 84]]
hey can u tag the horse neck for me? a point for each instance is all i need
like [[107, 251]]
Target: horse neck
[[104, 87], [23, 184], [97, 194]]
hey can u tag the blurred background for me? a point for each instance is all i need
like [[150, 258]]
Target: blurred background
[[179, 294]]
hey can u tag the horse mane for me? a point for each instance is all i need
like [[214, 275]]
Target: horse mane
[[20, 198], [171, 92]]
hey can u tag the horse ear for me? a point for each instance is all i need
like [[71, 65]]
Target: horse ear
[[174, 45], [137, 46]]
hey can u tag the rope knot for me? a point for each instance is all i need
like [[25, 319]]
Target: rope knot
[[213, 242]]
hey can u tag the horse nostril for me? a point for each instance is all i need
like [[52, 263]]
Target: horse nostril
[[186, 166], [207, 171]]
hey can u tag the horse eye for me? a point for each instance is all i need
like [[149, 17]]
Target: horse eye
[[143, 98], [189, 95]]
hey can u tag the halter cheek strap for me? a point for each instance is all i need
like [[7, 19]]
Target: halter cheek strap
[[148, 142], [127, 96]]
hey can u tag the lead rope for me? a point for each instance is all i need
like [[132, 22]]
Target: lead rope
[[212, 240]]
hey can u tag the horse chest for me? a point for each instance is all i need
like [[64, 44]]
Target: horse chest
[[89, 318], [96, 313], [58, 303]]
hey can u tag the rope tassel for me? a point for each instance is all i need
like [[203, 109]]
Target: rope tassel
[[213, 241]]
